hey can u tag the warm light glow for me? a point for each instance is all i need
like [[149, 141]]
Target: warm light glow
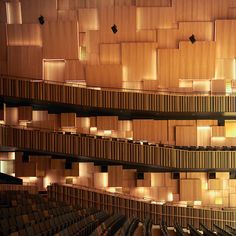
[[205, 186], [197, 203], [202, 86], [185, 83], [93, 130], [54, 69], [170, 197], [111, 189], [230, 128], [218, 201], [204, 127], [32, 179], [107, 132], [82, 53], [147, 198], [11, 155], [124, 73], [158, 202], [218, 138], [46, 181], [13, 10]]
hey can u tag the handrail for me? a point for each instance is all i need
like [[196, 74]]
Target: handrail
[[114, 99], [115, 150]]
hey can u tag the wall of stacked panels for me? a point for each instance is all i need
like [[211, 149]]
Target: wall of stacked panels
[[198, 189], [108, 54], [151, 49]]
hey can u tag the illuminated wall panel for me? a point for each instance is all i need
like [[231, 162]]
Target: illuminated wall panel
[[230, 128], [24, 35], [110, 53], [139, 59], [170, 38], [13, 10], [155, 17], [88, 19], [54, 70], [225, 46]]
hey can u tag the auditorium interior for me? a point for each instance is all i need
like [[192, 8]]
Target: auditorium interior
[[118, 117]]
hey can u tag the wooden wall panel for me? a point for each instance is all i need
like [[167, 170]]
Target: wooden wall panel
[[13, 11], [88, 19], [25, 113], [155, 18], [3, 42], [201, 60], [54, 70], [168, 67], [139, 59], [146, 182], [230, 128], [172, 128], [207, 122], [186, 136], [3, 67], [107, 122], [40, 115], [218, 131], [231, 13], [67, 15], [11, 117], [153, 3], [170, 38], [24, 35], [60, 40], [157, 179], [115, 176], [3, 13], [104, 76], [150, 130], [125, 19], [68, 119], [225, 69], [190, 190], [124, 2], [129, 178], [98, 3], [200, 10], [25, 61], [146, 36], [70, 4], [110, 53], [225, 41], [32, 9], [74, 70], [100, 180], [203, 136], [218, 86], [92, 43]]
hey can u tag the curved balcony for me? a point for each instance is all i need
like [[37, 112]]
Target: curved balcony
[[88, 197], [126, 152], [129, 100]]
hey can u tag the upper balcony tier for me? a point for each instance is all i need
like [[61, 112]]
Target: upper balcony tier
[[143, 102]]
